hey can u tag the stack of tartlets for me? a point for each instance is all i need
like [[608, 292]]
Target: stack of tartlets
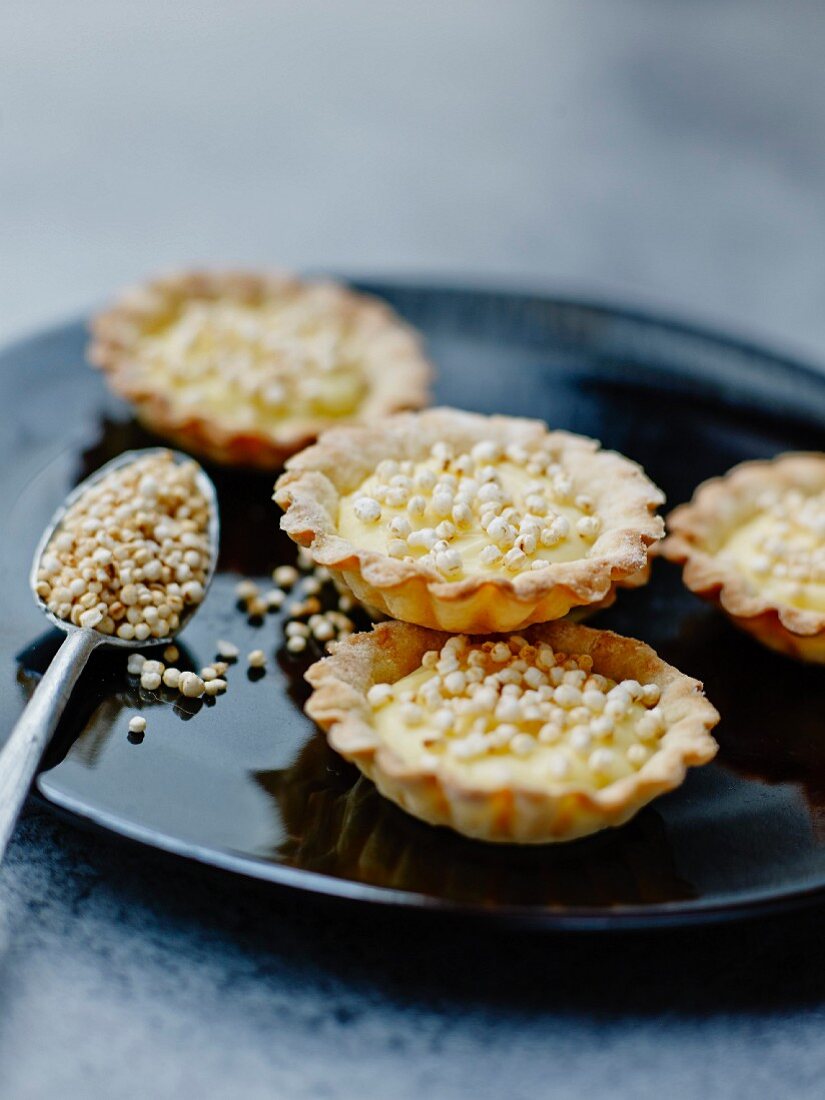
[[476, 708], [474, 711]]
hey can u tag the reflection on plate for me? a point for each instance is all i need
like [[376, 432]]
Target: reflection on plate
[[338, 824]]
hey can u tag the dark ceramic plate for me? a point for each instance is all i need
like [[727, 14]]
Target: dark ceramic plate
[[247, 784]]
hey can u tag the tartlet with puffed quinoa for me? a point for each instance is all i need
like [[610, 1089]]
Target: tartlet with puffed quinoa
[[471, 523], [526, 739], [247, 369], [753, 542]]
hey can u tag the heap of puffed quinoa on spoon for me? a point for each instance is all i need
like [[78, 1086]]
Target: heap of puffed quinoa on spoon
[[132, 552]]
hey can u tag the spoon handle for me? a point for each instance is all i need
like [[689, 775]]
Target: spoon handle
[[21, 754]]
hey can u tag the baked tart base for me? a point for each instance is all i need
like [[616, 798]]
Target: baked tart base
[[247, 368], [530, 739], [462, 522], [753, 543]]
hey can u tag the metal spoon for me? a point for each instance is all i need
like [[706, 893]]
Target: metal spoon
[[22, 752]]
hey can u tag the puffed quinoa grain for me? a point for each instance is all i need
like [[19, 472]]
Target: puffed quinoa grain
[[191, 685], [285, 576], [171, 677]]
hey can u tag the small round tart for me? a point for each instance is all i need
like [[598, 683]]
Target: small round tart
[[522, 739], [471, 523], [753, 542], [247, 369]]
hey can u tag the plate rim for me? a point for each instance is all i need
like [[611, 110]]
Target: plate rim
[[675, 914]]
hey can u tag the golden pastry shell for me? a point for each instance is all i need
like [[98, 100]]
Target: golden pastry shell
[[697, 529], [316, 479], [517, 814], [397, 379]]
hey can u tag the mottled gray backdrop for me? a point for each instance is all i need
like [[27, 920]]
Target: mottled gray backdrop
[[664, 152]]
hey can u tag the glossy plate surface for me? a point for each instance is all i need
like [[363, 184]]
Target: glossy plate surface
[[247, 785]]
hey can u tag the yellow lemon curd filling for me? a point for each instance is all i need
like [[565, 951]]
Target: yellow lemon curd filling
[[258, 365], [506, 711], [490, 510], [781, 550]]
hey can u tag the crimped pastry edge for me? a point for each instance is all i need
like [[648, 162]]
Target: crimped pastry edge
[[717, 506], [314, 481], [520, 815], [396, 383]]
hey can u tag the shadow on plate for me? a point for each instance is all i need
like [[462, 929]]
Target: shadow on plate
[[338, 824], [772, 707]]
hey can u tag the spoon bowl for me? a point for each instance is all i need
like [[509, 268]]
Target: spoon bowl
[[23, 750], [205, 485]]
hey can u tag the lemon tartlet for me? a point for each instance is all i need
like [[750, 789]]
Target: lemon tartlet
[[248, 368], [464, 522], [753, 542], [526, 739]]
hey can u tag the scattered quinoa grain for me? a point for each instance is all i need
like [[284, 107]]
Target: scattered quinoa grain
[[171, 677], [191, 685], [324, 631], [285, 576], [274, 599], [295, 629], [246, 590], [310, 606]]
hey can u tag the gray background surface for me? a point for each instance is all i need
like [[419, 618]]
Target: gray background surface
[[664, 153]]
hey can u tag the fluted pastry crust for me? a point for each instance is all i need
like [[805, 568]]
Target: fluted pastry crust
[[381, 354], [319, 478], [698, 532], [532, 812]]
